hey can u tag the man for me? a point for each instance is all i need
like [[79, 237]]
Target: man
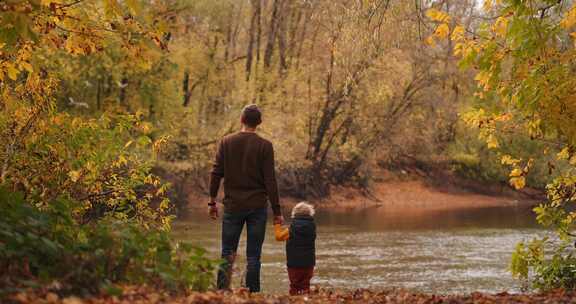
[[246, 162]]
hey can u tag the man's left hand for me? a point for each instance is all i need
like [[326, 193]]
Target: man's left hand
[[278, 219]]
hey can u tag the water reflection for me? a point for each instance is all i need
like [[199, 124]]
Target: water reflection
[[383, 219], [449, 251]]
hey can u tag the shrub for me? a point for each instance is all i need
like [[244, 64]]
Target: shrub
[[49, 248], [544, 270]]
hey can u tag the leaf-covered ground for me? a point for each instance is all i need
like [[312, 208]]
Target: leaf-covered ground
[[147, 295]]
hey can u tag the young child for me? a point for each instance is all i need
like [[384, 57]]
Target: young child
[[300, 240]]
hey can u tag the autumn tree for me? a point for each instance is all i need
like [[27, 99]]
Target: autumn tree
[[523, 55], [98, 161]]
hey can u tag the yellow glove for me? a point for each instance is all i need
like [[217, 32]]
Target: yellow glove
[[281, 233]]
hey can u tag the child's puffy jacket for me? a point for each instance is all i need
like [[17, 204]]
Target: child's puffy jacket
[[300, 247]]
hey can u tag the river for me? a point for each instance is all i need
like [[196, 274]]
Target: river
[[443, 251]]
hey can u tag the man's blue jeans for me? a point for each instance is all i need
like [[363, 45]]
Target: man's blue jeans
[[232, 225]]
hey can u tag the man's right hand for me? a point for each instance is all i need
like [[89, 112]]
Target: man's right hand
[[213, 210]]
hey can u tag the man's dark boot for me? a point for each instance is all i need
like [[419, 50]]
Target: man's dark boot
[[225, 273]]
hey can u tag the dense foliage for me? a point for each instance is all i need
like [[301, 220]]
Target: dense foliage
[[47, 248], [81, 208], [524, 57], [102, 162]]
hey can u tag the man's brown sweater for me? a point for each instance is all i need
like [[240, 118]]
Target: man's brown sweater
[[246, 162]]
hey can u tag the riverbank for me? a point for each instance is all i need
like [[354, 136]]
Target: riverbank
[[409, 190], [146, 295]]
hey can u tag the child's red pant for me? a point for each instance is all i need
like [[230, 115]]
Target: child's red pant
[[300, 279]]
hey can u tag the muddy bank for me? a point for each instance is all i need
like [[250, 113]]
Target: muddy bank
[[416, 194], [394, 194]]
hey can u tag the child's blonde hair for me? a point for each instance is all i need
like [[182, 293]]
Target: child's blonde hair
[[303, 208]]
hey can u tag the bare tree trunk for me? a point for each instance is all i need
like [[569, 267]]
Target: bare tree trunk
[[272, 31], [326, 118], [99, 94], [258, 31], [123, 87], [152, 112], [448, 52], [236, 30], [256, 9], [282, 42], [303, 37], [229, 35], [185, 90]]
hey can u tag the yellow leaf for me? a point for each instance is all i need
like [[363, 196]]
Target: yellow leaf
[[430, 41], [146, 128], [144, 64], [27, 66], [517, 172], [500, 26], [122, 160], [164, 204], [48, 2], [12, 71], [160, 191], [442, 31], [487, 5], [518, 182], [508, 160], [483, 78], [492, 142], [503, 117], [112, 8], [458, 33], [438, 16], [570, 19], [459, 48], [564, 154], [74, 175]]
